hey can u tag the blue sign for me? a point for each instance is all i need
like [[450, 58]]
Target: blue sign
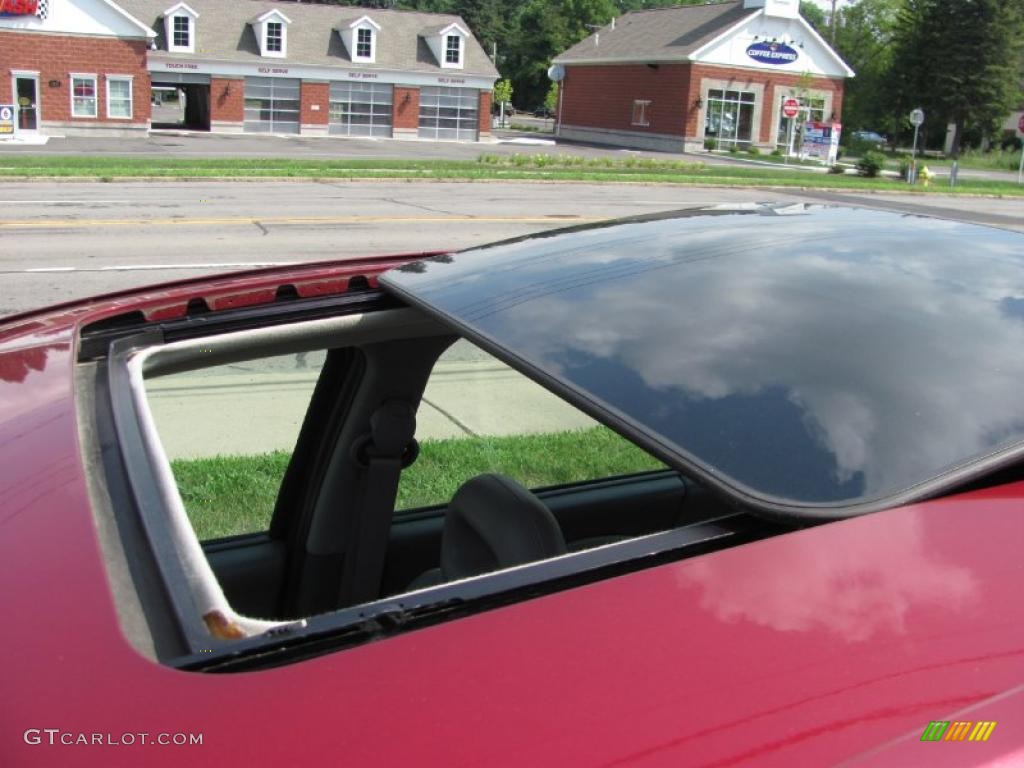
[[772, 53]]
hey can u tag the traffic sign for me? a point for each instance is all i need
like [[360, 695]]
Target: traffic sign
[[790, 107], [917, 118], [1020, 126]]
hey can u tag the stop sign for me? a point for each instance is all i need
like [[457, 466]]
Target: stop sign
[[790, 107], [1020, 125]]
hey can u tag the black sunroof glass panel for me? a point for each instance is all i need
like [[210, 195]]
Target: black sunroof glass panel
[[809, 355]]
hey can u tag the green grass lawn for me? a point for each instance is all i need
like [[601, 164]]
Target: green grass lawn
[[516, 167], [228, 495]]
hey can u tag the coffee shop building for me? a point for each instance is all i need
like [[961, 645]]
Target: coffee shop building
[[716, 75]]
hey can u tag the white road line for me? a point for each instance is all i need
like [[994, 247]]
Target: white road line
[[64, 202], [142, 267]]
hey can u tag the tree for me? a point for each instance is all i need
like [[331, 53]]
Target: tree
[[864, 38], [545, 28], [551, 100], [960, 61], [503, 95], [814, 16]]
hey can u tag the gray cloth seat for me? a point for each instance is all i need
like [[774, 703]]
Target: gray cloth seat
[[493, 523]]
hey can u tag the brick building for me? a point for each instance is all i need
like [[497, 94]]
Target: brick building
[[675, 78], [96, 66]]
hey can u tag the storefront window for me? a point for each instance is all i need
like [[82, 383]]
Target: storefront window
[[812, 109], [729, 117]]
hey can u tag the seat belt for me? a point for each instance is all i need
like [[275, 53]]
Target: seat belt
[[381, 455]]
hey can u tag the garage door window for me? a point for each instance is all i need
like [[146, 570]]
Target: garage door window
[[448, 113], [361, 109], [478, 415], [271, 105]]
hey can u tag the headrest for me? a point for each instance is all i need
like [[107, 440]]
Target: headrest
[[494, 523]]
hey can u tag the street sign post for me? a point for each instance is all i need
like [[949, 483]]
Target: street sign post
[[790, 109], [917, 120], [1020, 133], [556, 73]]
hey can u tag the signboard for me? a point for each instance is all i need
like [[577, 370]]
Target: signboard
[[790, 107], [821, 141], [6, 119], [772, 53], [917, 118], [19, 7], [1020, 126]]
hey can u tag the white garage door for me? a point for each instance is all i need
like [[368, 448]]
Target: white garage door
[[361, 109], [448, 113], [271, 105]]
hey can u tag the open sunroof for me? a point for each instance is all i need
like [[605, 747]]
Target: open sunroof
[[808, 360]]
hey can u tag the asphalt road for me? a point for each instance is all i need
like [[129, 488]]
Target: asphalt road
[[60, 241]]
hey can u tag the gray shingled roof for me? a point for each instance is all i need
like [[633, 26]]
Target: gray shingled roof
[[664, 34], [223, 34]]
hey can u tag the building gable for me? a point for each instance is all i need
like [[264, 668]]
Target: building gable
[[776, 43], [81, 17]]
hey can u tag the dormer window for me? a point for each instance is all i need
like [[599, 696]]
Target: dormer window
[[453, 50], [180, 28], [271, 30], [448, 44], [364, 43], [360, 38], [275, 37], [181, 35]]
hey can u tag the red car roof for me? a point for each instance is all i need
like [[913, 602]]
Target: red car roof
[[810, 648]]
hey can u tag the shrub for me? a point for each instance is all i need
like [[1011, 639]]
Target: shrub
[[871, 164], [709, 144], [776, 152], [905, 166], [753, 151], [837, 169], [733, 149]]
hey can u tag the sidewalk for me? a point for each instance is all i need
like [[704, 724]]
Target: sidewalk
[[257, 408]]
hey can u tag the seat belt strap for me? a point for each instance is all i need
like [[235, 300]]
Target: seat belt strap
[[392, 427]]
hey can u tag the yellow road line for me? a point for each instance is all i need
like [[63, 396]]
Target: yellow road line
[[252, 220]]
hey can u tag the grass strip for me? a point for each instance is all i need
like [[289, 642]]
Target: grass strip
[[228, 495], [516, 167]]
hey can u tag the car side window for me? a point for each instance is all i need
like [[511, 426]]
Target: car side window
[[479, 415], [229, 432]]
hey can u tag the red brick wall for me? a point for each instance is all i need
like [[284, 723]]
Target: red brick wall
[[485, 112], [56, 56], [227, 100], [406, 114], [314, 93], [602, 96]]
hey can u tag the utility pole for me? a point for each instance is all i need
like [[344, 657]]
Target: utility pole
[[832, 24]]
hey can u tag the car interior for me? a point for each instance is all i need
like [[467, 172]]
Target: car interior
[[335, 539]]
